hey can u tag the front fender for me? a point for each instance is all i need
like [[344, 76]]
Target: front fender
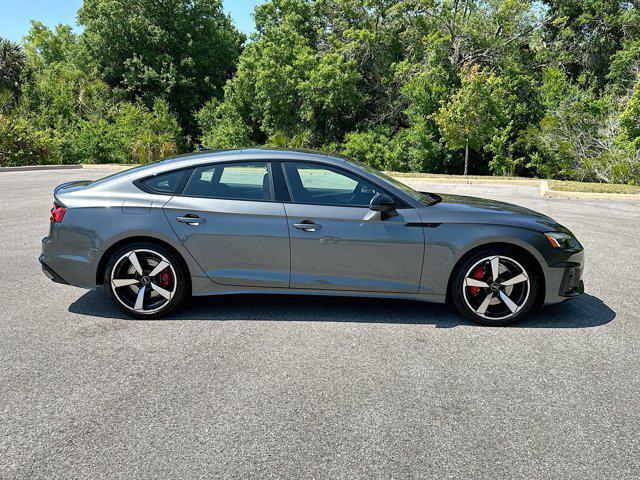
[[446, 244]]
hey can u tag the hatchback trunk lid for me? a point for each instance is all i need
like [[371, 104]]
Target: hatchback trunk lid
[[68, 187]]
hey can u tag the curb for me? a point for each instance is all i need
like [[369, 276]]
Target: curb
[[90, 166], [35, 168], [544, 188], [632, 197], [547, 192], [31, 168]]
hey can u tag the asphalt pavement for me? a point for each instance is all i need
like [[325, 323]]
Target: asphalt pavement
[[291, 387]]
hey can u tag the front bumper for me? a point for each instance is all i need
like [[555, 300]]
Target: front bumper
[[564, 280], [572, 284]]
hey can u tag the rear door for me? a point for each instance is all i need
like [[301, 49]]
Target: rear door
[[338, 243], [228, 219]]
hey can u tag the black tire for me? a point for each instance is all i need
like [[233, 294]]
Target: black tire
[[178, 281], [469, 300]]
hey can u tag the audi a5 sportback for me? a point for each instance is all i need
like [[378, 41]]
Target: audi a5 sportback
[[271, 221]]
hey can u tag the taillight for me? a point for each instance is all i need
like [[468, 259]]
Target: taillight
[[57, 213]]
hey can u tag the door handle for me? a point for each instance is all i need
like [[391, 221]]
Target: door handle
[[307, 226], [191, 219]]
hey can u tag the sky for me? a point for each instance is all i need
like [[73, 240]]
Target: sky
[[15, 15]]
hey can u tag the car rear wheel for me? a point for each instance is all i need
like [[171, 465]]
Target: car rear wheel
[[495, 287], [145, 280]]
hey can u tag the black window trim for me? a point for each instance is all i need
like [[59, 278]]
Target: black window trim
[[281, 188], [279, 182]]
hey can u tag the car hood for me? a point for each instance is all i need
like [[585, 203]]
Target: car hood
[[461, 209]]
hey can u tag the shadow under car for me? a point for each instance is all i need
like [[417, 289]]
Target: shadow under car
[[583, 312]]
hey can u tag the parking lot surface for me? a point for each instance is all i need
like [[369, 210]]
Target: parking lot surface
[[291, 387]]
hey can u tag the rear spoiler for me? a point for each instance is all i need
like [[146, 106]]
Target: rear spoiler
[[66, 185], [75, 183]]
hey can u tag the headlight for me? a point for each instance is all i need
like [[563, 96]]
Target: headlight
[[563, 241]]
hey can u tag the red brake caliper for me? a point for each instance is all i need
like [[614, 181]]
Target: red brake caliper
[[478, 274], [164, 278]]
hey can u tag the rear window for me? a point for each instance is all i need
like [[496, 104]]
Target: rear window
[[165, 183]]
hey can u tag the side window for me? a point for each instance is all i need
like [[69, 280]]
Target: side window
[[166, 183], [233, 181], [321, 185]]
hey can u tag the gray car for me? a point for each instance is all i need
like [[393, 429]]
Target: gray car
[[286, 222]]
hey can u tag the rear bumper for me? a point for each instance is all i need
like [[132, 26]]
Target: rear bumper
[[51, 274], [62, 264]]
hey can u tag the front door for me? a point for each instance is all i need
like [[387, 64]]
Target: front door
[[338, 243], [228, 220]]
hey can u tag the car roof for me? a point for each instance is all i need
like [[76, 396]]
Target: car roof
[[219, 156], [223, 155], [205, 157]]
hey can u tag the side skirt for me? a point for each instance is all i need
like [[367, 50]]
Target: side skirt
[[202, 288]]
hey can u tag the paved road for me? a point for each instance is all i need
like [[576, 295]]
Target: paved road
[[253, 387]]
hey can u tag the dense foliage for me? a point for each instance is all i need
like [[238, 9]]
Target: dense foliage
[[509, 87]]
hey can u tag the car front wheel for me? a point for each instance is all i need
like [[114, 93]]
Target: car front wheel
[[495, 287], [145, 280]]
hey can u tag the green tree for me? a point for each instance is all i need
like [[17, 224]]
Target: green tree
[[182, 51], [630, 118], [583, 36], [578, 131], [13, 65], [44, 46], [625, 66], [329, 73], [474, 114], [61, 94]]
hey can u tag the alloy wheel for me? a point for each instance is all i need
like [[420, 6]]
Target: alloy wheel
[[143, 281], [496, 287]]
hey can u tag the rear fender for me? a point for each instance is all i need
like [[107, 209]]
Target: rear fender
[[86, 234]]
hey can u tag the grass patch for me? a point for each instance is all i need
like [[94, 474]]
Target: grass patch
[[453, 177], [566, 186], [559, 185]]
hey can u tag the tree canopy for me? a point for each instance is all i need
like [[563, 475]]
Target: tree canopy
[[180, 51], [519, 87], [13, 66]]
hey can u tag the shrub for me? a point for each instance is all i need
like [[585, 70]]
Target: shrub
[[411, 149], [129, 134], [21, 144], [372, 147], [222, 126]]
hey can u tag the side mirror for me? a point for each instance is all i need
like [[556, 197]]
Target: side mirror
[[382, 203]]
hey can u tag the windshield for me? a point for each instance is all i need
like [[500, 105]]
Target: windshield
[[428, 198]]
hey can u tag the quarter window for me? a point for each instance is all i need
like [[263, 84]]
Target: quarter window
[[234, 181], [321, 185], [166, 183]]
